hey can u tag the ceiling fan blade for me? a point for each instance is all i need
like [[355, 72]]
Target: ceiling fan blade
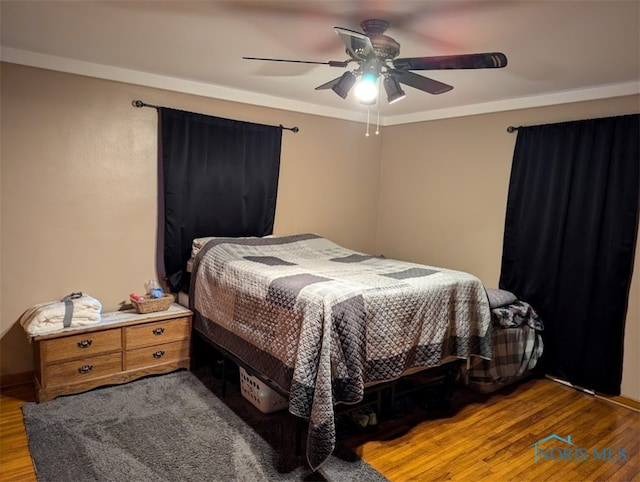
[[329, 84], [419, 82], [330, 63], [490, 60], [358, 44]]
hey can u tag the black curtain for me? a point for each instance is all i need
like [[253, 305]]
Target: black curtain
[[569, 241], [220, 178]]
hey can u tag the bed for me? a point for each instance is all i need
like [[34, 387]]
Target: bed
[[320, 322]]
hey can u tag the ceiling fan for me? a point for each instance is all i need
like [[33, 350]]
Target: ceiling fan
[[376, 57]]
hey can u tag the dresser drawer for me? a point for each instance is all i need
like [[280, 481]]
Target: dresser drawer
[[83, 369], [81, 346], [156, 333], [157, 354], [126, 345]]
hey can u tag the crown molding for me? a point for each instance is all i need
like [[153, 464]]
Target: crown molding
[[542, 100], [136, 77], [63, 64]]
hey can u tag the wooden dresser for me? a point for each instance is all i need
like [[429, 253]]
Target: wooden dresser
[[124, 346]]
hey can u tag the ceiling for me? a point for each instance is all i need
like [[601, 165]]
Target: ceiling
[[558, 51]]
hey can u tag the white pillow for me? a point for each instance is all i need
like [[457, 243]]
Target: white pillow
[[198, 244]]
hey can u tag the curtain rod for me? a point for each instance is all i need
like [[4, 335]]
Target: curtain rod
[[511, 129], [139, 103]]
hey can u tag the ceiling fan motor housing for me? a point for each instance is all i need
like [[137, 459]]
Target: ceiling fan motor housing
[[374, 26], [384, 46]]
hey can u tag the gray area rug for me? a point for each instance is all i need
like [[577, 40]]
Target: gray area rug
[[166, 428]]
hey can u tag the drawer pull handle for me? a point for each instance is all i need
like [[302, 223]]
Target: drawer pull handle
[[85, 343], [158, 354], [158, 331], [85, 369]]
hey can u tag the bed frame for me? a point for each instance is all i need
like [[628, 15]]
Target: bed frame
[[380, 397]]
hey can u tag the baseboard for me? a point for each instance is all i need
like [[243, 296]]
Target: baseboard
[[14, 379], [626, 402], [621, 400], [588, 391]]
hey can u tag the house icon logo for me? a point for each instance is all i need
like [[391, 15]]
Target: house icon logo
[[538, 449], [557, 449]]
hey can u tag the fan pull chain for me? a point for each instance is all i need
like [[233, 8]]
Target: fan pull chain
[[367, 134], [378, 115], [378, 119]]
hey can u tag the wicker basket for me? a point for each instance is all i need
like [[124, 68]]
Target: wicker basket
[[149, 305]]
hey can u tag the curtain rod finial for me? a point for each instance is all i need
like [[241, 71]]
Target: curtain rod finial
[[137, 103], [294, 129]]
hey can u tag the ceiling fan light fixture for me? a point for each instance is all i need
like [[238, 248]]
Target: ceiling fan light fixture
[[367, 89], [343, 86], [393, 89], [377, 55]]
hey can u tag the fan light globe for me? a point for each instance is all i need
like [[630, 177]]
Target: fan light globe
[[393, 89], [367, 88], [344, 84]]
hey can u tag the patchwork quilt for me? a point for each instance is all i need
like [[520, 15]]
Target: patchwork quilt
[[320, 321]]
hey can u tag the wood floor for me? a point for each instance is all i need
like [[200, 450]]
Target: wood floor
[[485, 437], [15, 460], [491, 437]]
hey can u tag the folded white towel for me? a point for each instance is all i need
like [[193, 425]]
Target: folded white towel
[[48, 317]]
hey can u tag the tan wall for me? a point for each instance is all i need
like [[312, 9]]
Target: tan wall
[[443, 196], [79, 188]]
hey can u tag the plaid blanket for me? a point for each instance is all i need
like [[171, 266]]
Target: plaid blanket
[[517, 346], [319, 321]]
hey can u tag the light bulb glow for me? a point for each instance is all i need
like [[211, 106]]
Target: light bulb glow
[[366, 89]]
